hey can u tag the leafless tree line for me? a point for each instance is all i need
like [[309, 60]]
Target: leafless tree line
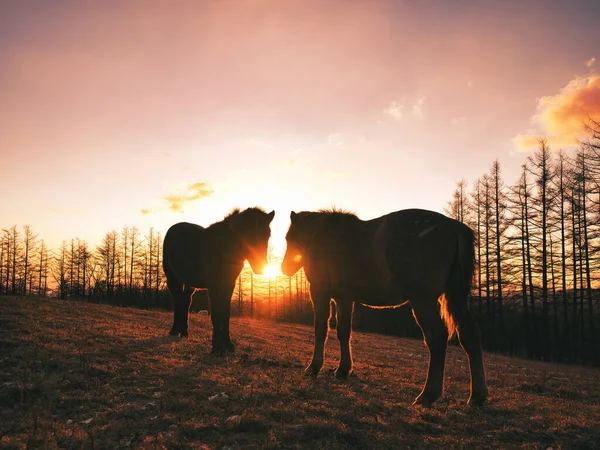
[[125, 268], [536, 284], [276, 298]]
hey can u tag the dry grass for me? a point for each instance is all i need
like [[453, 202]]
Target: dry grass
[[77, 375]]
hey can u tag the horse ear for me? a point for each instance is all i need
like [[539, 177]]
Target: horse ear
[[271, 215], [292, 216]]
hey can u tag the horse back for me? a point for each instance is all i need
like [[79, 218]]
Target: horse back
[[385, 261], [421, 248]]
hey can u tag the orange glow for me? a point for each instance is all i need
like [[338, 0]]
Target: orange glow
[[563, 116], [271, 271], [296, 105]]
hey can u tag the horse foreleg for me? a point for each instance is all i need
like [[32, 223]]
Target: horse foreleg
[[225, 337], [470, 340], [436, 338], [321, 306], [217, 322], [220, 305], [344, 330]]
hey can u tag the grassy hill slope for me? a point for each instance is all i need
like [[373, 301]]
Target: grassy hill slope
[[80, 375]]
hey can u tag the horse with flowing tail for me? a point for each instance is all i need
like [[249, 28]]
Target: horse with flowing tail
[[411, 256], [211, 258]]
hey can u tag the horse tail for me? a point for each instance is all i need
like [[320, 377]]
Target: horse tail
[[454, 301]]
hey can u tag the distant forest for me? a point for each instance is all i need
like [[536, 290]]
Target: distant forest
[[535, 291], [126, 270]]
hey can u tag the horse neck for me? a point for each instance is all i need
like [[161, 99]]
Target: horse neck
[[326, 239], [229, 244]]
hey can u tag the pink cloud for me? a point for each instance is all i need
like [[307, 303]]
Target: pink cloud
[[563, 116]]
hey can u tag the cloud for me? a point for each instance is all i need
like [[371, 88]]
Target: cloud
[[418, 108], [338, 175], [194, 191], [590, 62], [562, 117], [66, 212], [286, 163], [525, 142], [253, 143], [458, 120], [336, 140], [394, 110], [294, 161]]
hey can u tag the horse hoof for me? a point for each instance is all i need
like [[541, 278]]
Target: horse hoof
[[311, 372], [423, 401], [342, 374], [229, 348], [476, 400]]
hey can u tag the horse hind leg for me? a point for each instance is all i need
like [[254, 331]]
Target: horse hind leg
[[436, 338], [225, 336], [470, 340]]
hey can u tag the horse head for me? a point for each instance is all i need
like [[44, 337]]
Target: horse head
[[296, 247], [252, 226]]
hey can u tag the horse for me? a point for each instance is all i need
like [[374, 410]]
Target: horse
[[211, 259], [410, 256]]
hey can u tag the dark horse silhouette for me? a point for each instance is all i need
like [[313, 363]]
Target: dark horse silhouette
[[413, 256], [212, 258]]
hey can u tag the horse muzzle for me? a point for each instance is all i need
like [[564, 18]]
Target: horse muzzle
[[289, 268]]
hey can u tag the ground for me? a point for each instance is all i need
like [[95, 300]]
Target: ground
[[81, 375]]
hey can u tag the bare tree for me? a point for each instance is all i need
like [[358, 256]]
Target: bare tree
[[107, 260], [59, 271], [29, 247], [499, 209], [43, 261], [541, 166], [459, 204]]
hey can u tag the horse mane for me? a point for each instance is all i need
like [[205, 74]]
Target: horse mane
[[337, 212], [332, 217], [233, 212], [238, 211]]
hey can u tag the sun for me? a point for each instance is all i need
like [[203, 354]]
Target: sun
[[271, 271]]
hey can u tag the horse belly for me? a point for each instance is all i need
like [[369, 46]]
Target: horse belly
[[196, 280], [383, 298], [373, 293], [189, 271]]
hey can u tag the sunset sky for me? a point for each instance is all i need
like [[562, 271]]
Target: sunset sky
[[147, 113]]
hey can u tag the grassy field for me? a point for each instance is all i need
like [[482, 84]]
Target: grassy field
[[80, 375]]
